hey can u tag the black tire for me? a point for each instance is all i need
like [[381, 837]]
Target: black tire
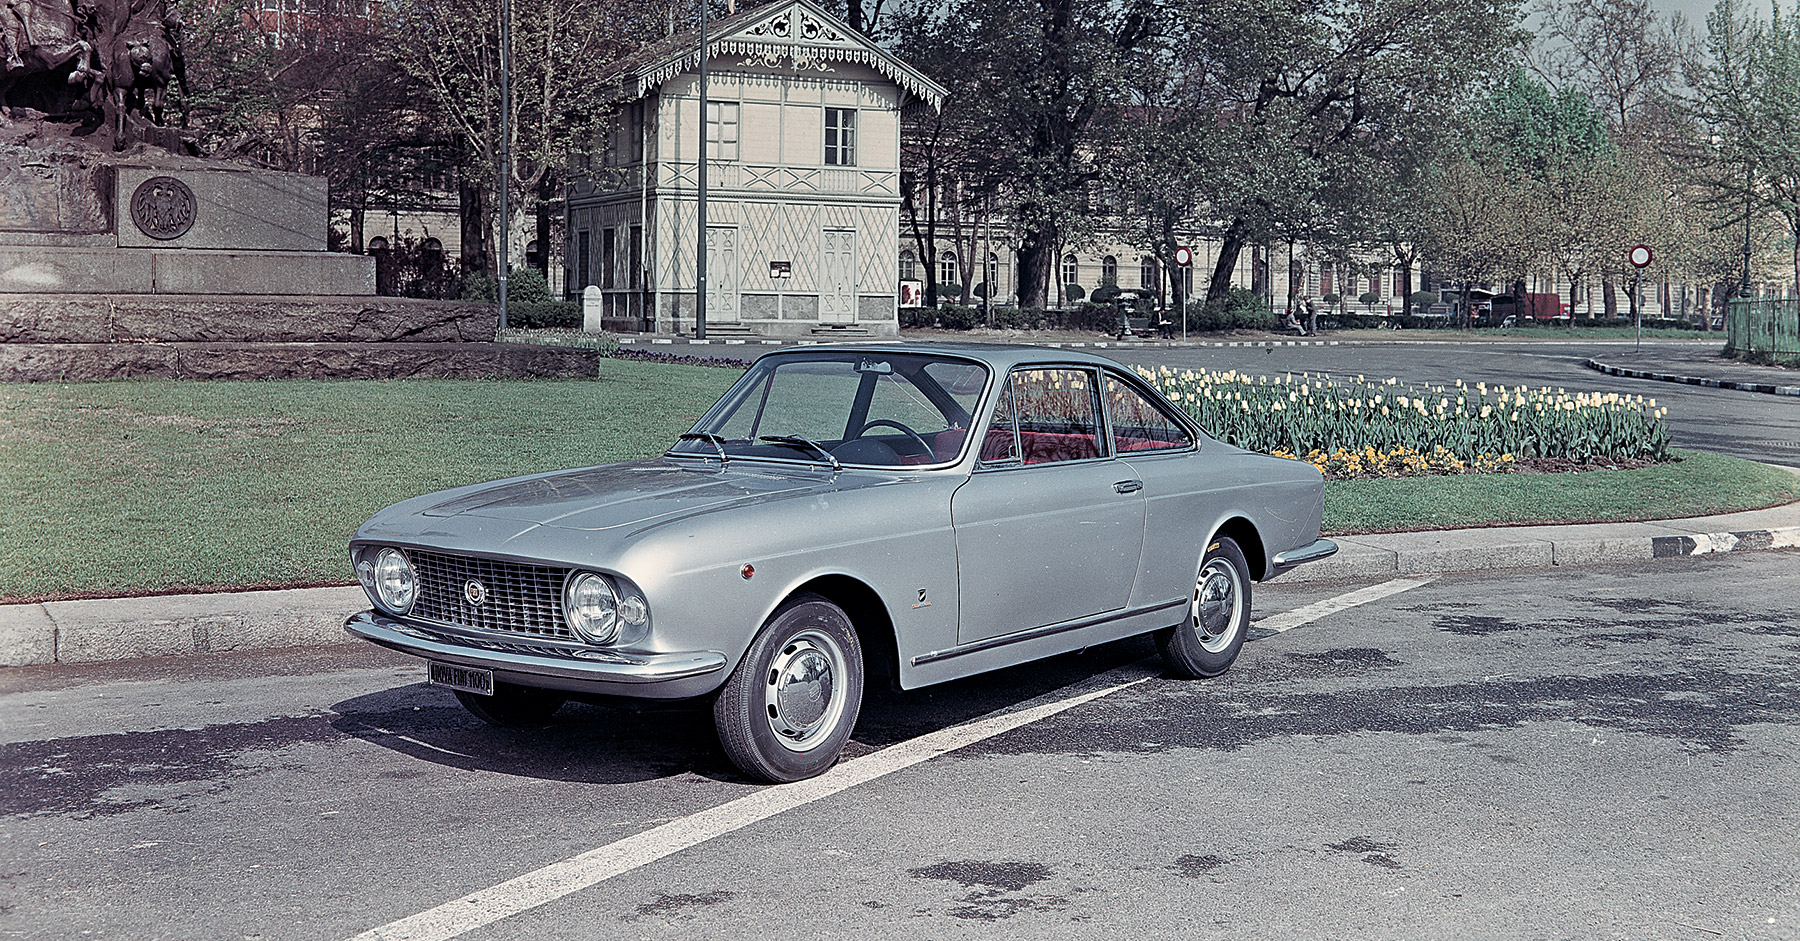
[[1207, 641], [791, 704], [514, 707]]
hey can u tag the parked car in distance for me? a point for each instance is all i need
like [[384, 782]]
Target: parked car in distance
[[911, 513]]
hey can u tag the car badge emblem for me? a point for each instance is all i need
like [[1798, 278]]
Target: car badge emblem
[[475, 591]]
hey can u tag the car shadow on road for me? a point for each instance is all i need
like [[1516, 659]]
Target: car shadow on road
[[625, 742]]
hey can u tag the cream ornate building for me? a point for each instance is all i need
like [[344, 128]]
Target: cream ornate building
[[802, 142]]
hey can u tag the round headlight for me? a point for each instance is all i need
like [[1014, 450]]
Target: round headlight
[[592, 608], [395, 584]]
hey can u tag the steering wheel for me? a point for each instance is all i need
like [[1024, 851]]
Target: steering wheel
[[924, 449]]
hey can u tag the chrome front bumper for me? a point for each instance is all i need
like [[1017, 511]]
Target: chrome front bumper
[[1302, 555], [644, 676]]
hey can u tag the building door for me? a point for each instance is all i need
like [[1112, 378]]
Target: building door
[[721, 274], [837, 276]]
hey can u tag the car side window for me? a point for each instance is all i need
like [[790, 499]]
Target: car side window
[[1140, 425], [1001, 446], [1057, 411]]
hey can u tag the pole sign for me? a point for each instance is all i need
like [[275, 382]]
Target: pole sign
[[1184, 256], [1641, 256], [781, 270]]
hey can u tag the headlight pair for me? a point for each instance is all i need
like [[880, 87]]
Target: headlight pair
[[389, 580], [596, 610]]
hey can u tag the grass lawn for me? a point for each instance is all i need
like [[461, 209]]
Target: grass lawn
[[158, 485]]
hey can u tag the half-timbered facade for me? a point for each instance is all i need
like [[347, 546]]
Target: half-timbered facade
[[801, 136]]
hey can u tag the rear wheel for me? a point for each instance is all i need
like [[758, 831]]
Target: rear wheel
[[1218, 617], [790, 706], [513, 707]]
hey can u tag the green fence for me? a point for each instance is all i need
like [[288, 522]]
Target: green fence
[[1763, 330]]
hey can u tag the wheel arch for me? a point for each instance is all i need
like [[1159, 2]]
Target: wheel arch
[[1244, 533], [868, 617]]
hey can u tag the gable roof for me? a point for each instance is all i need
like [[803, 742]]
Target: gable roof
[[797, 30]]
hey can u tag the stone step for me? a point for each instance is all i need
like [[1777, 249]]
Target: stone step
[[81, 362], [845, 330], [727, 330], [122, 318]]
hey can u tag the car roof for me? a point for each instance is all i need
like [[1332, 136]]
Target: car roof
[[1001, 356]]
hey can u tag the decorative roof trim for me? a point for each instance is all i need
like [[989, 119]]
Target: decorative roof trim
[[807, 37]]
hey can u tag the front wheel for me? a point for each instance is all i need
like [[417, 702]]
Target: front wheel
[[1218, 617], [790, 706]]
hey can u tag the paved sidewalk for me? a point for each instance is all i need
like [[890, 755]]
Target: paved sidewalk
[[1698, 366], [126, 628]]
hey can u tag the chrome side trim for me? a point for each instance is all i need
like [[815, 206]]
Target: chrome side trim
[[1047, 630], [588, 666], [1303, 555]]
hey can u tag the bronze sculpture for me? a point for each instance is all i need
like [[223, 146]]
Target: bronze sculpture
[[99, 57]]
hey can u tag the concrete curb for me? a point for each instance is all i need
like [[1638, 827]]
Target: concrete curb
[[126, 628], [1766, 388]]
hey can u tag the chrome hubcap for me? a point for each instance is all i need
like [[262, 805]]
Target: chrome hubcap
[[1215, 610], [802, 690]]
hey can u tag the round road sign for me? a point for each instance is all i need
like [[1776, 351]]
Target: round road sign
[[1640, 255], [1184, 256]]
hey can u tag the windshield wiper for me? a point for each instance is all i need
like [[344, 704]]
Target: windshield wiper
[[716, 441], [807, 443]]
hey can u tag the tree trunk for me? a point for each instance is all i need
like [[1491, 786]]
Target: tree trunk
[[1036, 259], [1226, 265], [1406, 287], [472, 207], [546, 191], [1609, 298], [356, 229]]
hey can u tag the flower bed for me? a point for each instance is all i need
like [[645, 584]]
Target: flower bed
[[1362, 428]]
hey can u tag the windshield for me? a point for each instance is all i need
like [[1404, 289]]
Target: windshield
[[868, 409]]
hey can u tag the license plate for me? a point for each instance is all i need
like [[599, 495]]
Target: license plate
[[464, 678]]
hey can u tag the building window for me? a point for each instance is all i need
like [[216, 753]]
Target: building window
[[721, 130], [584, 273], [609, 251], [909, 266], [840, 137], [947, 268], [1071, 270], [1109, 270], [993, 272], [1149, 278]]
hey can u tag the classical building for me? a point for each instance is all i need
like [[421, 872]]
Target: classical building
[[801, 134]]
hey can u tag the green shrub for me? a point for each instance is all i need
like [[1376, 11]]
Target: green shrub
[[1239, 309], [480, 286], [526, 286], [540, 315], [958, 317], [1368, 299]]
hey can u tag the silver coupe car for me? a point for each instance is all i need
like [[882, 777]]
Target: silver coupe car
[[909, 512]]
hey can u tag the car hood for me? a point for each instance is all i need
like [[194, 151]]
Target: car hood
[[635, 494]]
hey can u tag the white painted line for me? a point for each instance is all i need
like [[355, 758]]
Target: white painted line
[[601, 863], [561, 879], [1288, 620]]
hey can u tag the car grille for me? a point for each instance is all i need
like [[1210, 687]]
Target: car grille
[[525, 600]]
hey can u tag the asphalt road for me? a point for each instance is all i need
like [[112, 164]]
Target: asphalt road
[[1581, 752], [1742, 424]]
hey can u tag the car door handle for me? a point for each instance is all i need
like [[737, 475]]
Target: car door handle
[[1128, 486]]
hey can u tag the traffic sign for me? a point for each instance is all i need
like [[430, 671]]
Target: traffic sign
[[1640, 255], [1184, 256]]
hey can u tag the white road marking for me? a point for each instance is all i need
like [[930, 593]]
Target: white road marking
[[1288, 620], [557, 880]]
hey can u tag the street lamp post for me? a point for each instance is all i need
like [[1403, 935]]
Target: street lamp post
[[700, 247], [505, 135]]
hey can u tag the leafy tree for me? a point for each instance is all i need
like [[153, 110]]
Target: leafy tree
[[559, 51], [1746, 100]]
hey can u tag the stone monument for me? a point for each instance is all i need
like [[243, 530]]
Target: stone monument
[[123, 255]]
